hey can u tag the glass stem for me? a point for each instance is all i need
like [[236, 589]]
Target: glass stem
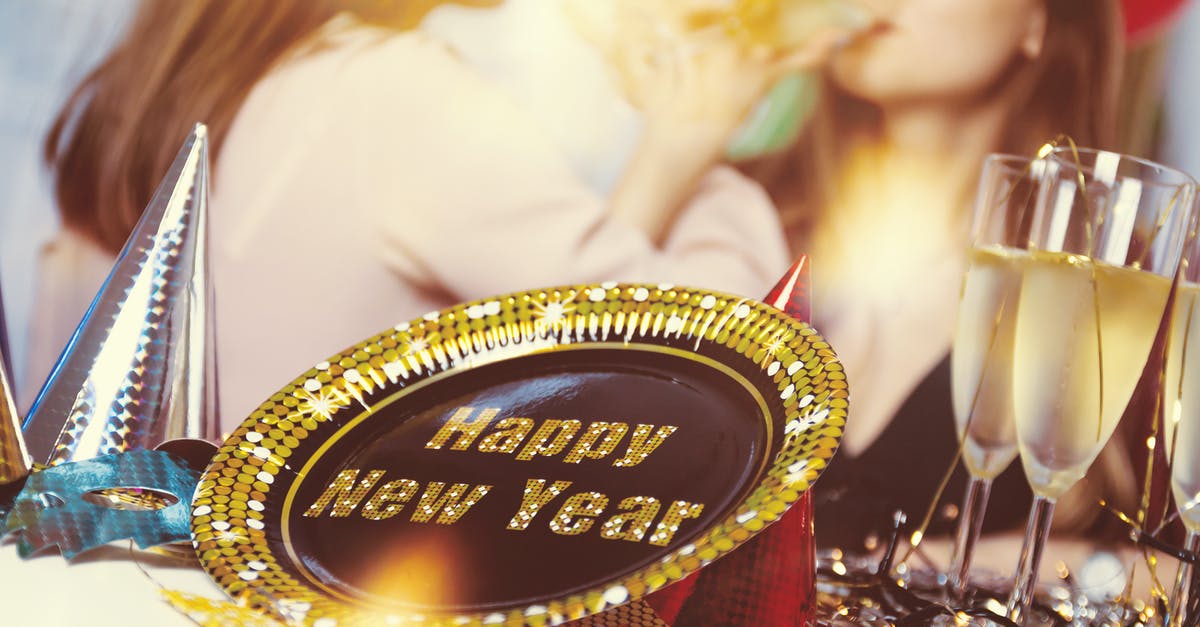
[[1183, 580], [974, 506], [1026, 578]]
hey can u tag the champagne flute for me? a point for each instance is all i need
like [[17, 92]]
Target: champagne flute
[[1105, 242], [981, 357], [1181, 409]]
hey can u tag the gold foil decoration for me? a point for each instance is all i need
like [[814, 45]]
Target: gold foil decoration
[[635, 614], [562, 430], [508, 436], [536, 496], [634, 521], [576, 514], [451, 504], [585, 446], [462, 424], [678, 511], [209, 613], [389, 500], [642, 444], [347, 494]]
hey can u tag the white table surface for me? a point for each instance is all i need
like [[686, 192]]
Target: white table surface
[[101, 587]]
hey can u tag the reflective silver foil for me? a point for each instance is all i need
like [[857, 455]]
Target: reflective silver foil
[[140, 368], [14, 458]]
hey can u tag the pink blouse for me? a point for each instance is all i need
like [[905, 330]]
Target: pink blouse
[[379, 178]]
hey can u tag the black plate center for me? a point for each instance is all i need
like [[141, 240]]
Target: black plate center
[[569, 415]]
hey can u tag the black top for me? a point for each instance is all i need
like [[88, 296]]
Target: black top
[[856, 496]]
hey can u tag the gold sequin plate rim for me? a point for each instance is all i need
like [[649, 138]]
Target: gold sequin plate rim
[[231, 525]]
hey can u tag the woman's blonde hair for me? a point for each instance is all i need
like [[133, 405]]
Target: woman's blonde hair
[[178, 63]]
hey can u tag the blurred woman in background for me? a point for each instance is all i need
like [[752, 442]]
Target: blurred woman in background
[[364, 174], [879, 191]]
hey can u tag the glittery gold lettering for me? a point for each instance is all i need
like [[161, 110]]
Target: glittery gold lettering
[[641, 444], [575, 515], [667, 527], [537, 446], [390, 499], [467, 431], [536, 495], [449, 504], [637, 512], [347, 494], [585, 446], [508, 436]]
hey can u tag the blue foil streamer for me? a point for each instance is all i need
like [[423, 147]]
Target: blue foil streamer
[[138, 370], [51, 509]]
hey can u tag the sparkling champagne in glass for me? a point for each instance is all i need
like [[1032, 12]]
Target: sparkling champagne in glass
[[981, 358], [1106, 240], [1181, 409]]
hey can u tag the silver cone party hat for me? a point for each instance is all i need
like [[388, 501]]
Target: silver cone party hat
[[5, 354], [140, 368], [14, 458]]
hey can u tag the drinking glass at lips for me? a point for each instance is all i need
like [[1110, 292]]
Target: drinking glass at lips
[[981, 357], [1104, 245], [1181, 408]]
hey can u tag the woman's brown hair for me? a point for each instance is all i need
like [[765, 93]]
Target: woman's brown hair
[[178, 63]]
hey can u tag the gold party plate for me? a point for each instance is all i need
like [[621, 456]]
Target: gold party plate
[[529, 458]]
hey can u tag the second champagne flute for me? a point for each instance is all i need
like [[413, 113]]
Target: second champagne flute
[[981, 357], [1106, 241], [1181, 410]]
